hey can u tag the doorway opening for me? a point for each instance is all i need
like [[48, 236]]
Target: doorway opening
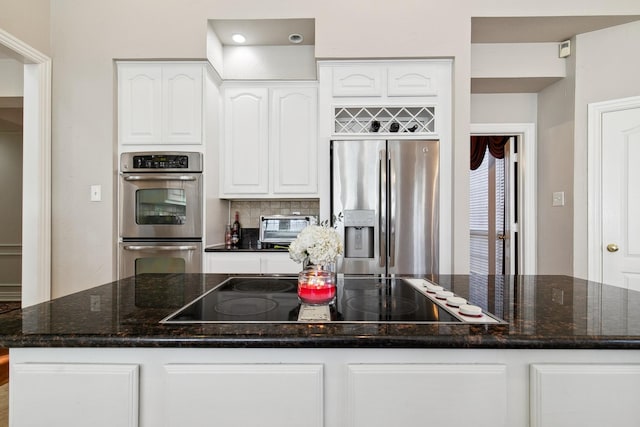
[[36, 178], [11, 208], [493, 215], [520, 194], [11, 130]]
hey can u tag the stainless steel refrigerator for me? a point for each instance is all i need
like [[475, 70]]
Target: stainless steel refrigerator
[[387, 192]]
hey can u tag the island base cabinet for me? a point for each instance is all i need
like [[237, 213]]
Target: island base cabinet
[[323, 387], [74, 395], [585, 395], [284, 395]]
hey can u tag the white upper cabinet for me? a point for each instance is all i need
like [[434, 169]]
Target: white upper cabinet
[[160, 103], [269, 146], [245, 148], [398, 79], [387, 97], [293, 138]]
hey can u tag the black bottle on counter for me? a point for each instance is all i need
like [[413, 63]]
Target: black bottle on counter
[[236, 231]]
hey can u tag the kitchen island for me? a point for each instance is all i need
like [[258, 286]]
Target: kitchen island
[[567, 353]]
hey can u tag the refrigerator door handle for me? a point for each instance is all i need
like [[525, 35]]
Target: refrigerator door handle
[[392, 215], [382, 203]]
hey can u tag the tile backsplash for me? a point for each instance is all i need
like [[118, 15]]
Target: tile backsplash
[[250, 210]]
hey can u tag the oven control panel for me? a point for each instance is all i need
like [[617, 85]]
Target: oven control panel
[[150, 162], [160, 161]]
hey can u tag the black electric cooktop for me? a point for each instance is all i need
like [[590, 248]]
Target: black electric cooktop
[[275, 299]]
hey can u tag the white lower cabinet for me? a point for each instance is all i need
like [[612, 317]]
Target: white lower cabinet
[[250, 263], [426, 394], [585, 395], [74, 395], [323, 387], [284, 395]]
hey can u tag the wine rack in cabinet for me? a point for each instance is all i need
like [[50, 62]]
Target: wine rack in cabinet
[[366, 120]]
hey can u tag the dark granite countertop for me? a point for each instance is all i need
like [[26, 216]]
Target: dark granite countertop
[[541, 311]]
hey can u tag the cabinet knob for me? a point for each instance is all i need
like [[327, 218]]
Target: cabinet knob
[[612, 247]]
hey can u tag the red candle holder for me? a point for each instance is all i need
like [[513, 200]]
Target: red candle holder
[[316, 285]]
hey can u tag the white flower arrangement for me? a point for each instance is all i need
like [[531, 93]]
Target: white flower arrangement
[[318, 244]]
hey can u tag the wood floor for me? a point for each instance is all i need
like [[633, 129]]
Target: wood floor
[[4, 369], [4, 405], [4, 366], [4, 387]]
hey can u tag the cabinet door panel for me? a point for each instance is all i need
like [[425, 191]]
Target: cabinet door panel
[[140, 103], [412, 80], [416, 395], [278, 263], [232, 263], [269, 395], [577, 395], [245, 146], [74, 395], [294, 140], [182, 99], [357, 81]]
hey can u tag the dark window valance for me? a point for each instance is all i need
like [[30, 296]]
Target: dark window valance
[[479, 144]]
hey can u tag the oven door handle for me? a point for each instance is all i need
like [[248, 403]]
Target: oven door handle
[[159, 178], [160, 248]]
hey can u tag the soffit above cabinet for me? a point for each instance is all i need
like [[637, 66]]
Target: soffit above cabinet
[[530, 31], [264, 32], [540, 29]]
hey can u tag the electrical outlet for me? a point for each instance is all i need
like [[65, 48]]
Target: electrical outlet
[[96, 193], [557, 296], [94, 302]]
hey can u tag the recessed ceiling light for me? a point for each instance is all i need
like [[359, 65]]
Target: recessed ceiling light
[[296, 38], [238, 38]]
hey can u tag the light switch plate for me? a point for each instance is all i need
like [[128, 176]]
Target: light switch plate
[[558, 198], [96, 193]]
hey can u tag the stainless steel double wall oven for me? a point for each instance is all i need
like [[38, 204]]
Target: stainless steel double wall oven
[[160, 213]]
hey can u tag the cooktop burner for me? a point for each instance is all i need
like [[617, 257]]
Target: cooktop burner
[[275, 300], [265, 285], [371, 305], [250, 306]]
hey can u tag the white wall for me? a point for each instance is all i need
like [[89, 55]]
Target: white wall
[[216, 210], [555, 173], [28, 21], [504, 108], [269, 63], [11, 77], [87, 35], [513, 60], [608, 67]]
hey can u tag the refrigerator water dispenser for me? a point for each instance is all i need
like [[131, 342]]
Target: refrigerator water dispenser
[[358, 233]]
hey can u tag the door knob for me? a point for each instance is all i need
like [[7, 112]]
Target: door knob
[[502, 237], [612, 247]]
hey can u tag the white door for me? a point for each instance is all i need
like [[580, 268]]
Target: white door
[[621, 198]]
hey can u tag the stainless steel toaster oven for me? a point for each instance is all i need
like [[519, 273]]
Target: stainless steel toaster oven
[[283, 229]]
